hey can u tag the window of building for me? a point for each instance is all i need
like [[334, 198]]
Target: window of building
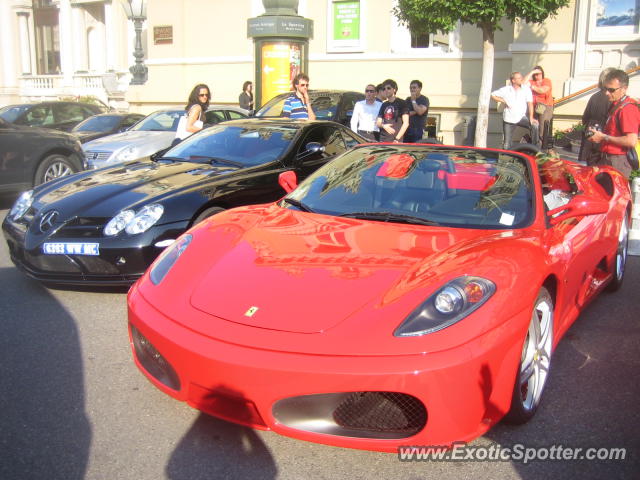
[[45, 16], [346, 25]]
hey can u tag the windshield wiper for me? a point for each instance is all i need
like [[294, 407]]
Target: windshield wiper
[[389, 217], [297, 203], [214, 160]]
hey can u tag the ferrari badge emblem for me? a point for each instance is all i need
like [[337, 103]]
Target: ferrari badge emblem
[[251, 312]]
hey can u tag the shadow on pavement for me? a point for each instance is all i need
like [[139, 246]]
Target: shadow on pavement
[[590, 400], [213, 448], [44, 430]]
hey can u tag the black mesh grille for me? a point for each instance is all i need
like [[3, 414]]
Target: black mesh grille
[[79, 227], [382, 412]]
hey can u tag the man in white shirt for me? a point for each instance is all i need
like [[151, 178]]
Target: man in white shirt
[[365, 113], [518, 111]]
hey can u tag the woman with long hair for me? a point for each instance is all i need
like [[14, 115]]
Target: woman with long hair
[[196, 107]]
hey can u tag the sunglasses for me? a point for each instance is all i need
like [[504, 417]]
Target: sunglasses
[[203, 95], [369, 91], [611, 89]]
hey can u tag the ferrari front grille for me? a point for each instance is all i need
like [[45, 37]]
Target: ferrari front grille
[[381, 412]]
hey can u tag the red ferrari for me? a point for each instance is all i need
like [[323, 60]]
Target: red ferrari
[[400, 295]]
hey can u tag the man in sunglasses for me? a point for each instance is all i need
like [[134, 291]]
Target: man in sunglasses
[[365, 113], [418, 106], [620, 135], [297, 105], [393, 117]]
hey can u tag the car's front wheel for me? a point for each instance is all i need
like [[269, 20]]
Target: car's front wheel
[[52, 167], [535, 361], [206, 214], [621, 256]]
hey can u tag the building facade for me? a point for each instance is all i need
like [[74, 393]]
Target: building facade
[[64, 48]]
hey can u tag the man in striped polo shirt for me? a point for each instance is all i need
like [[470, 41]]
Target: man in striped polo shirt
[[297, 105]]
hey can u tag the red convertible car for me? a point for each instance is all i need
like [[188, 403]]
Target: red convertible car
[[400, 295]]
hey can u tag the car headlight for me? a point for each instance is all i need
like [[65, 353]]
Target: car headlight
[[450, 304], [23, 203], [128, 153], [134, 223], [168, 258]]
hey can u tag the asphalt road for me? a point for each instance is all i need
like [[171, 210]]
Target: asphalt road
[[74, 406]]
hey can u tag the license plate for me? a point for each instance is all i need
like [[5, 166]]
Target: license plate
[[71, 248]]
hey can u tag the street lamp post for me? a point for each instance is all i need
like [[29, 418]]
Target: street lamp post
[[137, 12]]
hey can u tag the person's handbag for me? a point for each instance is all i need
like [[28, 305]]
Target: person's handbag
[[181, 131], [632, 157], [540, 108]]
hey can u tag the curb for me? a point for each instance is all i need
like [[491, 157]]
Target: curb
[[634, 232]]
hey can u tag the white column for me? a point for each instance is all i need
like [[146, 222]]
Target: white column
[[66, 42], [25, 43], [110, 37], [7, 39], [79, 35]]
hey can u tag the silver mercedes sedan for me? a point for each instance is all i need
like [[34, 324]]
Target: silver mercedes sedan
[[150, 135]]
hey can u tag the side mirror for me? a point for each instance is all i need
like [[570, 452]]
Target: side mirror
[[288, 181], [579, 206], [311, 148]]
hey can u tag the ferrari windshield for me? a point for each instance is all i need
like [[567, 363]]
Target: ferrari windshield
[[424, 185], [235, 145]]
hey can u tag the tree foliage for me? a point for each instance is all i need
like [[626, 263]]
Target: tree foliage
[[430, 16]]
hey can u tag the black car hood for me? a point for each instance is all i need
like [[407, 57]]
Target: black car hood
[[107, 191]]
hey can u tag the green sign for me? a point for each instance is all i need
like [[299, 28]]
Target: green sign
[[346, 20]]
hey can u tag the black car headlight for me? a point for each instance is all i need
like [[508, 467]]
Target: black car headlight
[[168, 257], [132, 222], [450, 304], [23, 203]]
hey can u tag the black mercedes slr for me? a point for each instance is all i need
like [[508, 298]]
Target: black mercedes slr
[[105, 227]]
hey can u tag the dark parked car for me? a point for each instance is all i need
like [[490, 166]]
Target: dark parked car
[[31, 156], [335, 105], [57, 115], [105, 124], [106, 226]]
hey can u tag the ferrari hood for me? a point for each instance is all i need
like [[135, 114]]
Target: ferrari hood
[[298, 272], [107, 191]]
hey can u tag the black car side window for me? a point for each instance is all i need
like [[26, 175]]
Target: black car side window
[[349, 139], [40, 115], [329, 137]]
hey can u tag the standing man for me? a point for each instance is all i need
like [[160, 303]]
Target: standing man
[[393, 117], [418, 106], [380, 95], [365, 114], [620, 133], [297, 105], [518, 111]]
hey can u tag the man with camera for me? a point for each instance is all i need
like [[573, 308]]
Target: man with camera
[[620, 134]]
